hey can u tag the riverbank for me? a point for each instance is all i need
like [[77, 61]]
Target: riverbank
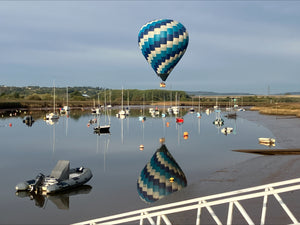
[[257, 171], [286, 109]]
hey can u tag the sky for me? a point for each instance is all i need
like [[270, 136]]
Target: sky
[[234, 46]]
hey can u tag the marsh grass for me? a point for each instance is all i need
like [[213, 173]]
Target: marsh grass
[[287, 109]]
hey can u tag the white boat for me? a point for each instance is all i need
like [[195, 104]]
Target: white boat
[[122, 113], [227, 130], [66, 108], [266, 140], [52, 117], [60, 179]]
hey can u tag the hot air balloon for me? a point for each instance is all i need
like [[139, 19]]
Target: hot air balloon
[[163, 42], [160, 177]]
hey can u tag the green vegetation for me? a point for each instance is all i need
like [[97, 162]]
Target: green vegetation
[[39, 97]]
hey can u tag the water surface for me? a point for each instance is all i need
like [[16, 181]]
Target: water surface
[[115, 160]]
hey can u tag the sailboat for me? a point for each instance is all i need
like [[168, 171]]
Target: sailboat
[[192, 110], [66, 108], [199, 110], [143, 117], [121, 114], [52, 116], [163, 115], [127, 110], [103, 129], [176, 110], [96, 110]]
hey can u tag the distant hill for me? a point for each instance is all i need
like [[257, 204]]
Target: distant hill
[[210, 93]]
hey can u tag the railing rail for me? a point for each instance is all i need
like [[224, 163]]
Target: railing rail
[[232, 198]]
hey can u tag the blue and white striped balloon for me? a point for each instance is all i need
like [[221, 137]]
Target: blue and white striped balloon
[[163, 42]]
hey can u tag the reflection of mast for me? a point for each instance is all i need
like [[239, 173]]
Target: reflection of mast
[[106, 144], [199, 125], [104, 153], [160, 177], [122, 132], [179, 129], [53, 139], [67, 122]]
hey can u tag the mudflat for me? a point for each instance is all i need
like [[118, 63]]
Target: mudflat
[[260, 170]]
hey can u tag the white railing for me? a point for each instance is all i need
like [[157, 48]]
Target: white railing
[[232, 198]]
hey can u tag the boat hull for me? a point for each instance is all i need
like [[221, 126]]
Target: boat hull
[[85, 176], [77, 177]]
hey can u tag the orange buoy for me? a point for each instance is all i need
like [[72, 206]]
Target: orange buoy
[[141, 147], [167, 124], [10, 124], [88, 125], [162, 140], [171, 179], [186, 135]]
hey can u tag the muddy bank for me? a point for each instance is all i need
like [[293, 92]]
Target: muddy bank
[[253, 172]]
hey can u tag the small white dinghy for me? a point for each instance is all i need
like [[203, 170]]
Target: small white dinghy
[[60, 179], [266, 140]]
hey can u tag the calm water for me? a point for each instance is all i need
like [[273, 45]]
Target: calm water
[[115, 160]]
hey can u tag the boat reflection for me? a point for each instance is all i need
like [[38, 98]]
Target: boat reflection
[[160, 177], [61, 200], [28, 120]]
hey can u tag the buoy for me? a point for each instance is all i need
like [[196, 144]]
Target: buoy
[[171, 179], [141, 147], [167, 124], [88, 125], [186, 135], [162, 140], [10, 124]]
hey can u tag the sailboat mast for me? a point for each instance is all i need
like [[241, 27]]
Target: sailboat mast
[[54, 97], [122, 99], [105, 104], [128, 99], [67, 97]]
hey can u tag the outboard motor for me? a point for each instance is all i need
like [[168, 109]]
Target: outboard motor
[[39, 180]]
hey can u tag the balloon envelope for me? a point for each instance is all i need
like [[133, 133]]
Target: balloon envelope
[[160, 177], [163, 42]]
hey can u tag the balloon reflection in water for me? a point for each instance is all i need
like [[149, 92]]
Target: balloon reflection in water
[[160, 177]]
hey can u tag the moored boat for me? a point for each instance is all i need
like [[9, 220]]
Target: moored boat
[[266, 140], [61, 178], [102, 129], [227, 130]]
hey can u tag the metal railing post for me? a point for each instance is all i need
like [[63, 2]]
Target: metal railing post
[[264, 209], [212, 213], [158, 220], [166, 220], [198, 214], [285, 208], [244, 213], [141, 220], [229, 216]]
